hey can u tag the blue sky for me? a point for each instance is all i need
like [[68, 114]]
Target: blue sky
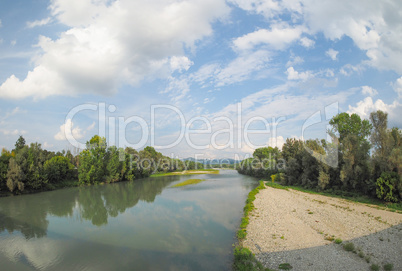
[[192, 77]]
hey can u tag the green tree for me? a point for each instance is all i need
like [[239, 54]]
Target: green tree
[[4, 161], [15, 177], [20, 143], [354, 166], [93, 161], [116, 164], [346, 125], [58, 169]]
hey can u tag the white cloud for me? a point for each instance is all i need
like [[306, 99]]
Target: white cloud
[[374, 26], [90, 127], [295, 75], [294, 61], [39, 22], [276, 142], [76, 132], [208, 100], [366, 106], [278, 37], [349, 69], [306, 42], [13, 42], [332, 53], [114, 43], [366, 90], [268, 8], [398, 87], [242, 68], [13, 132], [1, 24], [47, 145], [180, 63]]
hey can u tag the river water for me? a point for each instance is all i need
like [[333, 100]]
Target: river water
[[141, 225]]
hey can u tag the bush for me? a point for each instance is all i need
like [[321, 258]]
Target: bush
[[338, 241], [58, 169], [388, 267], [244, 260], [387, 186], [349, 247]]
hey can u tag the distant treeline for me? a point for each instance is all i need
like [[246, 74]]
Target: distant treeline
[[31, 168], [364, 156]]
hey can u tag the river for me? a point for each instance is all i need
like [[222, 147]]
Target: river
[[140, 225]]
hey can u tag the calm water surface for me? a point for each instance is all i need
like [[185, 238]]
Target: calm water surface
[[141, 225]]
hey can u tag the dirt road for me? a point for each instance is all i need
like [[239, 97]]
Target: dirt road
[[297, 228]]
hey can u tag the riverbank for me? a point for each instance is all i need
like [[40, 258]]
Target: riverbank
[[76, 183], [300, 229], [187, 172]]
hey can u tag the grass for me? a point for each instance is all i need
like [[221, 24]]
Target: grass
[[388, 267], [349, 247], [244, 260], [374, 267], [285, 266], [276, 185], [188, 182], [187, 172], [351, 196], [242, 233]]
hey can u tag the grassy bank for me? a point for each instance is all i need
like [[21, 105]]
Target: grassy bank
[[244, 259], [188, 182], [355, 197], [187, 172]]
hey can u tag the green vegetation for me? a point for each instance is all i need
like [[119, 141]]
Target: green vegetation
[[285, 266], [242, 233], [363, 162], [375, 267], [244, 260], [388, 267], [188, 182], [349, 246], [338, 241], [276, 185], [187, 172], [28, 169]]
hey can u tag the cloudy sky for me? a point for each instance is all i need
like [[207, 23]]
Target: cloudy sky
[[194, 76]]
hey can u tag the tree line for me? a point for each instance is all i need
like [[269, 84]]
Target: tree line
[[364, 156], [30, 168]]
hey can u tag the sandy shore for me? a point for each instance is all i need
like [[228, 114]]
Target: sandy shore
[[292, 227]]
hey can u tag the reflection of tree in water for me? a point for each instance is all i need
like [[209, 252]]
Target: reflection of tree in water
[[98, 203], [28, 214]]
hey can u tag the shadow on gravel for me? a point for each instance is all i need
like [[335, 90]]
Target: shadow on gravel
[[380, 248]]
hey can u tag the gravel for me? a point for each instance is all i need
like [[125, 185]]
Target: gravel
[[294, 227]]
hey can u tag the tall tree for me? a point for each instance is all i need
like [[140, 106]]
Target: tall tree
[[20, 143]]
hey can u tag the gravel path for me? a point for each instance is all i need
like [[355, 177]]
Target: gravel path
[[292, 227]]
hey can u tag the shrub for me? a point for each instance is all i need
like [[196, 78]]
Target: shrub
[[349, 247], [285, 266], [244, 260], [387, 186], [374, 267], [338, 241], [388, 267]]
